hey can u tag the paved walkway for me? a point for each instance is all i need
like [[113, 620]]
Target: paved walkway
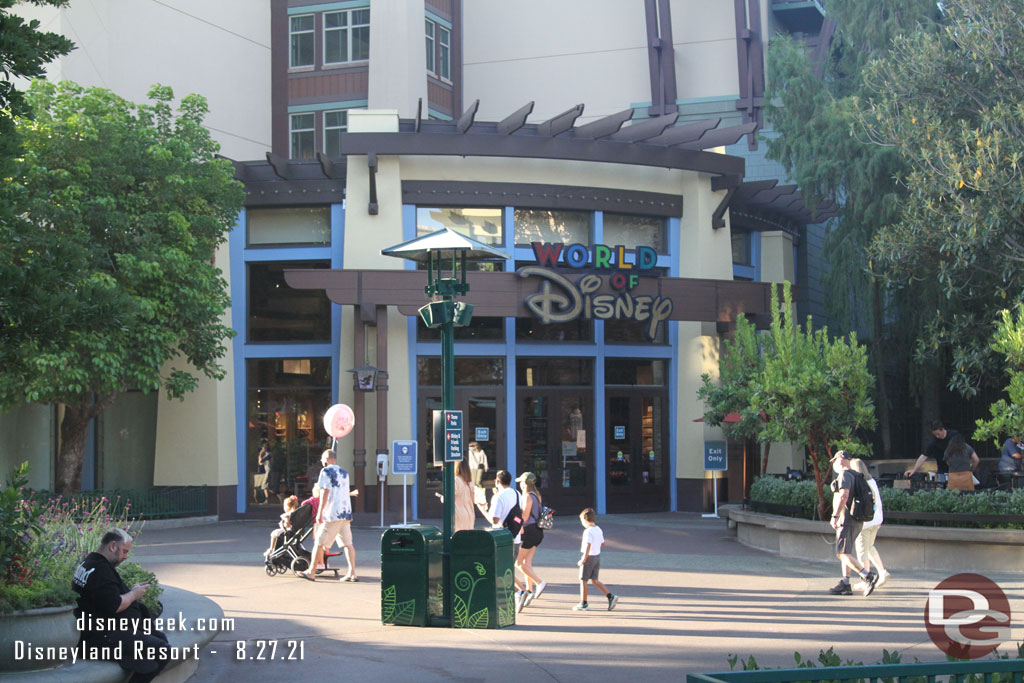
[[691, 595]]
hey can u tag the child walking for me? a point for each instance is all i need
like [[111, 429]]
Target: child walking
[[590, 563]]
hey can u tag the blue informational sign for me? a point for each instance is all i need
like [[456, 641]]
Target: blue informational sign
[[715, 455], [619, 432], [483, 434], [453, 435], [403, 457]]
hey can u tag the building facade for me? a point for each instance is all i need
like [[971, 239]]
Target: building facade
[[375, 122]]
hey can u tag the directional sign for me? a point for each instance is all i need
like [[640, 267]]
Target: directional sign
[[483, 434], [453, 435], [715, 455], [403, 459]]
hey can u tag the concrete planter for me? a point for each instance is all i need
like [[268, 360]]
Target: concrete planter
[[42, 628], [906, 547]]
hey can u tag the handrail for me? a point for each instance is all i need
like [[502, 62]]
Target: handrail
[[872, 672]]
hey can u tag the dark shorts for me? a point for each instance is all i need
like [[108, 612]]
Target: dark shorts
[[846, 536], [532, 536], [591, 567]]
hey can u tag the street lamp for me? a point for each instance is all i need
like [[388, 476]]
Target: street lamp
[[366, 377], [446, 253]]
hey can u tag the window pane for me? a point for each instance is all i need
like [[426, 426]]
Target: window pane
[[635, 231], [483, 225], [630, 372], [539, 225], [360, 43], [279, 313], [301, 52], [336, 119], [444, 37], [335, 46], [541, 372], [741, 248], [332, 142], [468, 371], [532, 329], [360, 16], [633, 332], [479, 329], [335, 19], [289, 226], [302, 136], [430, 45], [286, 400]]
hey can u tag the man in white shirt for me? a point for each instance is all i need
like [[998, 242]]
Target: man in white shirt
[[501, 503], [334, 516]]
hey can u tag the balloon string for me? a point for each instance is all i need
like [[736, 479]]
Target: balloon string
[[334, 442]]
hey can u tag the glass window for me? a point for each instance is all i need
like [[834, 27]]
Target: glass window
[[468, 371], [346, 36], [278, 313], [635, 231], [635, 372], [303, 146], [301, 40], [633, 332], [532, 329], [483, 225], [335, 123], [741, 248], [289, 226], [479, 329], [558, 372], [444, 38], [430, 45], [286, 400], [540, 225]]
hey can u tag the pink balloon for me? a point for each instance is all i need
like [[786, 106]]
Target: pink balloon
[[339, 420]]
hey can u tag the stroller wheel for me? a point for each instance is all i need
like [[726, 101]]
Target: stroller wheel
[[300, 564], [271, 569], [281, 569]]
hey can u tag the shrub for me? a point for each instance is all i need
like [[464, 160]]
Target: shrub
[[132, 573]]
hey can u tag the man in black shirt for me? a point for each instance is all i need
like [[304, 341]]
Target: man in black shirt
[[110, 613], [936, 449]]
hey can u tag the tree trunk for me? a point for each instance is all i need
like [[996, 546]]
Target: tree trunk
[[73, 429], [882, 407], [819, 479], [764, 461]]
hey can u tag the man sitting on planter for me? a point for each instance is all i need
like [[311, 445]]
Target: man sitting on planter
[[111, 616]]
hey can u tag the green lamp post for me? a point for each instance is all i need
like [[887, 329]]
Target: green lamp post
[[446, 254]]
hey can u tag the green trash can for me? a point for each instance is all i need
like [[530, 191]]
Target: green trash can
[[483, 589], [411, 575]]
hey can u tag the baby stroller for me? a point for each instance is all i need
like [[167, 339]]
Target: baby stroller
[[287, 551]]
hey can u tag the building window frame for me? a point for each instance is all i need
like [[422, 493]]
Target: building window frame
[[355, 21], [438, 38], [297, 128], [298, 36], [332, 128], [431, 41]]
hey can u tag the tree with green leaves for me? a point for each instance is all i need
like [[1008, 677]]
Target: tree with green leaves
[[740, 367], [1007, 416], [949, 102], [816, 388], [24, 53], [108, 278], [814, 109]]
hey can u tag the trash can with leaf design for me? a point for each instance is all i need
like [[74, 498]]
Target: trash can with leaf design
[[483, 590], [411, 576]]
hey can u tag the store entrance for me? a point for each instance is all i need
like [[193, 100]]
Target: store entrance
[[483, 421], [636, 446], [555, 442]]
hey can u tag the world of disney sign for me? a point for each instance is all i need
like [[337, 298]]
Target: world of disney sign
[[559, 299]]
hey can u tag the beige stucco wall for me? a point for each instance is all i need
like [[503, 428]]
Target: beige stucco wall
[[220, 50], [398, 63], [589, 51]]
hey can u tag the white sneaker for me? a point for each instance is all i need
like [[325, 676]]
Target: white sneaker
[[520, 599], [539, 589], [882, 578], [858, 586], [530, 595]]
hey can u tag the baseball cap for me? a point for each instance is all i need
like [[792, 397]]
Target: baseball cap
[[528, 477]]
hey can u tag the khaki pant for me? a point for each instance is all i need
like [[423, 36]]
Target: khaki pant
[[960, 481]]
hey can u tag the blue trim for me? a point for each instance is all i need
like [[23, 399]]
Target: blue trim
[[331, 7], [439, 115], [239, 298], [600, 438], [438, 20], [327, 106], [511, 407], [408, 233], [755, 254], [674, 238], [337, 263]]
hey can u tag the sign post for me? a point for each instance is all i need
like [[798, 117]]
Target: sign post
[[715, 460], [404, 463]]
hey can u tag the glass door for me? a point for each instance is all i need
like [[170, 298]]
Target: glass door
[[555, 444], [483, 421], [635, 451]]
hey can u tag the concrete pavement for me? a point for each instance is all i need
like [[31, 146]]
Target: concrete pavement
[[690, 596]]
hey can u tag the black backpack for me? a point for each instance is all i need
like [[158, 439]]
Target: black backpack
[[862, 501], [514, 519]]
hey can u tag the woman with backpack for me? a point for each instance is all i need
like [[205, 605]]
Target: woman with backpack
[[865, 543], [532, 537]]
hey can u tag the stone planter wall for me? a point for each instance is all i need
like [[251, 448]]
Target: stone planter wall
[[43, 627], [902, 546]]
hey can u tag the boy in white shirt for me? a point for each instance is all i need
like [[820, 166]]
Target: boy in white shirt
[[590, 563]]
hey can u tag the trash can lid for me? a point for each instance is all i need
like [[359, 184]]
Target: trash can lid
[[480, 540], [410, 539]]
